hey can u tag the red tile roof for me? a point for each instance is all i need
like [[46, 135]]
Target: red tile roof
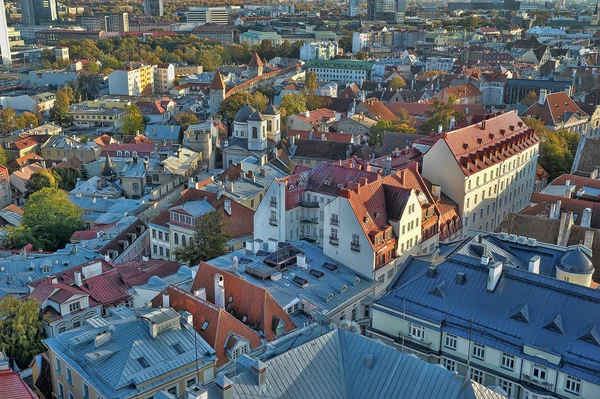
[[137, 139], [543, 204], [315, 135], [555, 108], [221, 324], [482, 145], [104, 140], [317, 116], [13, 208], [156, 107], [136, 272], [351, 91], [217, 82], [248, 300], [24, 160], [378, 110], [420, 109], [13, 387], [239, 224], [255, 61], [460, 91], [24, 143], [143, 150]]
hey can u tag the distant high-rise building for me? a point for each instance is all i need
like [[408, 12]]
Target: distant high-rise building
[[108, 22], [386, 10], [37, 11], [153, 7], [353, 8], [4, 42], [207, 15]]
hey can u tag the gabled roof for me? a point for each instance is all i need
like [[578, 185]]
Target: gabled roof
[[255, 61], [461, 91], [557, 109], [248, 300], [24, 160], [586, 159], [341, 364], [481, 145], [377, 110], [214, 324], [13, 387]]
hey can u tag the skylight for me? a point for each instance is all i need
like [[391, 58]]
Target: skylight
[[143, 362], [178, 348]]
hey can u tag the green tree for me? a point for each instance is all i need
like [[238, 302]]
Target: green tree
[[66, 178], [91, 68], [3, 157], [317, 102], [187, 119], [20, 329], [133, 121], [292, 103], [59, 113], [209, 241], [361, 55], [259, 101], [27, 120], [440, 114], [8, 120], [397, 83], [232, 104], [530, 99], [51, 218], [84, 173], [41, 179], [311, 83], [210, 60]]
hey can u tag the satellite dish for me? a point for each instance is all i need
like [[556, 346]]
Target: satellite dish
[[322, 319]]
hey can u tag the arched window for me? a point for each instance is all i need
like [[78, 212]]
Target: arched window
[[254, 132], [176, 238], [183, 240], [119, 153], [127, 153]]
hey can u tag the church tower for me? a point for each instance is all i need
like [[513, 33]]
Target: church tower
[[200, 141], [273, 117], [257, 132], [216, 93]]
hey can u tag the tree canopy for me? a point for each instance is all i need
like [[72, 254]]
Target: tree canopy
[[311, 83], [530, 99], [20, 329], [441, 113], [232, 104], [9, 121], [59, 113], [66, 178], [49, 219], [397, 83], [404, 124], [133, 121], [209, 240], [292, 103], [41, 179]]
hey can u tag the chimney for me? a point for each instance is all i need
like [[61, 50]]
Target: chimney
[[224, 387], [78, 279], [259, 371], [165, 299], [301, 261], [484, 261], [369, 361], [452, 123], [542, 96], [187, 318], [436, 190], [534, 264], [230, 186], [440, 129], [196, 392], [567, 182], [564, 231], [586, 218], [495, 272], [263, 159], [219, 291], [589, 239], [307, 113], [431, 271], [200, 293]]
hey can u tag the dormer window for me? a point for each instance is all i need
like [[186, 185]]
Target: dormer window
[[119, 153], [74, 306], [127, 153]]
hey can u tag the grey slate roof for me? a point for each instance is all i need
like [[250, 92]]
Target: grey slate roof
[[492, 313], [120, 374], [333, 366]]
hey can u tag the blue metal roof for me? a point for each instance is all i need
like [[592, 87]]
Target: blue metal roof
[[540, 298]]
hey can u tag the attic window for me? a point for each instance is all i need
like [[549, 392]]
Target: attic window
[[522, 314], [300, 281], [178, 348], [204, 326], [292, 187], [143, 362], [316, 273], [340, 185], [326, 182], [332, 267], [591, 337], [438, 290], [465, 146], [300, 184]]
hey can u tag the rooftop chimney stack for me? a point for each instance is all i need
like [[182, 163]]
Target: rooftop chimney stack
[[219, 291], [534, 264], [494, 274], [78, 279], [165, 299], [259, 370], [586, 218], [542, 96], [224, 386], [196, 392]]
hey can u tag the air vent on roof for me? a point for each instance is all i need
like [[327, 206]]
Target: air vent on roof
[[276, 276], [591, 337], [461, 278], [431, 271], [522, 314], [326, 182], [438, 290], [245, 261], [503, 236], [204, 326], [522, 240], [512, 238], [556, 325], [340, 185], [261, 253], [300, 281], [316, 273], [332, 267], [532, 242]]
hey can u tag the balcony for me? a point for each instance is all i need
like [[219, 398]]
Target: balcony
[[409, 338], [273, 203], [309, 204], [307, 220], [540, 383], [334, 222], [334, 241], [273, 221], [354, 246]]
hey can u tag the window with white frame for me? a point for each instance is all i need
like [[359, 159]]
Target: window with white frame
[[507, 386], [74, 306], [86, 391], [69, 376], [239, 351], [190, 382], [61, 391], [416, 331], [476, 375], [508, 361], [573, 385], [539, 372], [478, 351], [58, 366], [449, 364], [451, 341]]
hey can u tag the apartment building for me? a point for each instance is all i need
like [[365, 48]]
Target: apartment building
[[559, 111], [381, 39], [318, 50], [488, 168], [439, 64], [107, 22], [359, 217], [341, 71], [130, 355], [206, 15], [164, 78], [5, 57], [59, 148], [133, 81], [542, 344], [5, 193], [85, 115]]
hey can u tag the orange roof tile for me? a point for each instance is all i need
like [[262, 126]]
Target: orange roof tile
[[217, 82], [255, 61], [378, 110], [248, 300], [217, 322], [557, 107]]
